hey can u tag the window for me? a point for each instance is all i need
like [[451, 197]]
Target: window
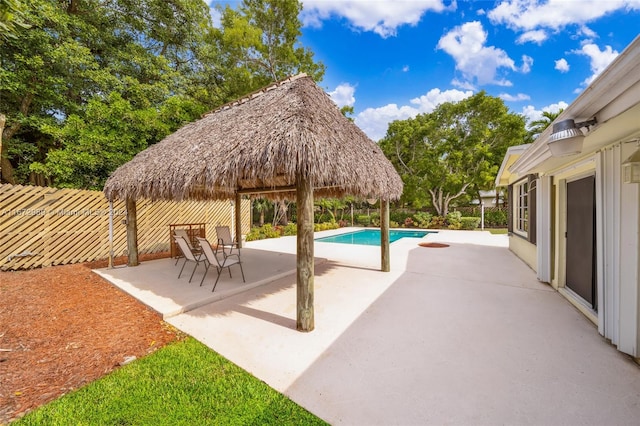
[[521, 216]]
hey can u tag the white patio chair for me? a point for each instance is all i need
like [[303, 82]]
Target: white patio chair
[[181, 232], [226, 241], [189, 256], [212, 259]]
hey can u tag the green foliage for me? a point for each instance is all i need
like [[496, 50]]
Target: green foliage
[[263, 232], [11, 18], [393, 224], [399, 216], [457, 147], [325, 226], [362, 220], [536, 127], [290, 229], [437, 222], [422, 219], [468, 223], [91, 83], [453, 220], [497, 218], [182, 383]]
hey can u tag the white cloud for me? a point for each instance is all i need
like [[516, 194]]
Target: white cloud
[[533, 114], [535, 36], [381, 17], [511, 98], [478, 63], [562, 65], [405, 68], [527, 61], [599, 59], [375, 121], [343, 95], [216, 16], [527, 15]]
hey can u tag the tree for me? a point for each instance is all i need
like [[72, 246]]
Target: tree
[[259, 43], [84, 53], [11, 18], [456, 148], [261, 205], [536, 127]]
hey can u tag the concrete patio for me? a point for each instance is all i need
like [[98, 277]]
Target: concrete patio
[[456, 335]]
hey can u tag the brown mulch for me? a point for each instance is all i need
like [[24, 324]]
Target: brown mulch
[[64, 326], [433, 245]]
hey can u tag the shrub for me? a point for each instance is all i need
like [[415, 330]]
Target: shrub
[[290, 229], [437, 222], [260, 233], [496, 218], [408, 222], [363, 219], [393, 224], [398, 216], [325, 226], [342, 223], [422, 219], [453, 219], [469, 222]]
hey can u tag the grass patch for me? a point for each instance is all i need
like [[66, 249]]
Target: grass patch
[[497, 230], [184, 383]]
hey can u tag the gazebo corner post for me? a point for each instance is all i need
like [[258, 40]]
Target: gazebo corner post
[[238, 219], [132, 232], [304, 255], [384, 236]]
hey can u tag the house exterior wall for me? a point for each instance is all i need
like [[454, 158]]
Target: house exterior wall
[[617, 244], [526, 251]]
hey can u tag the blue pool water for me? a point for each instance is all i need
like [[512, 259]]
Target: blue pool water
[[371, 237]]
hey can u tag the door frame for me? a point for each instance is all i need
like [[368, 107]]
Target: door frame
[[572, 173]]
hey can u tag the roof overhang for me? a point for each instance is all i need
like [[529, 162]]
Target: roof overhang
[[512, 155], [615, 91]]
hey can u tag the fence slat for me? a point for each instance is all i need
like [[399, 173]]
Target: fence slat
[[41, 226]]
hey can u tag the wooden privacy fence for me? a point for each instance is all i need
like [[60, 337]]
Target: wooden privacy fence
[[41, 226]]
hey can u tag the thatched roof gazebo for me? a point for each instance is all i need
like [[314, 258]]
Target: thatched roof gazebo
[[287, 140]]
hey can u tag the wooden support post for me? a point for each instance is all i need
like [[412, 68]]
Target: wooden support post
[[132, 232], [384, 236], [238, 212], [305, 267]]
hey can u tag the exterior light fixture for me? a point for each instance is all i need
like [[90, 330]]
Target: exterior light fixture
[[631, 168], [566, 138]]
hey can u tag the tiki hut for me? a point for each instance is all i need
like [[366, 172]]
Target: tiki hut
[[287, 140]]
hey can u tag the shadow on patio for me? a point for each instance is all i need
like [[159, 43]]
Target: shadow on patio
[[155, 283]]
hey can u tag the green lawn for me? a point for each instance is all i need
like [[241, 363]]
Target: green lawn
[[497, 230], [184, 383]]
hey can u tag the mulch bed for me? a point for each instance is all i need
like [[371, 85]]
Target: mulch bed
[[64, 326]]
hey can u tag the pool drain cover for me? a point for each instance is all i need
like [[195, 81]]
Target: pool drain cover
[[433, 245]]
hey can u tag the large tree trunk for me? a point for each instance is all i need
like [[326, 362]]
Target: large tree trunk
[[6, 168]]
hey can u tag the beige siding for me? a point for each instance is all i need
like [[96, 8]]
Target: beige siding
[[524, 250]]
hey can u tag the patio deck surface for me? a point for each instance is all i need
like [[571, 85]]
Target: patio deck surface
[[457, 335]]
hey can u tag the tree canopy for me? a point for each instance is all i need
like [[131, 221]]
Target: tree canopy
[[90, 83], [453, 151]]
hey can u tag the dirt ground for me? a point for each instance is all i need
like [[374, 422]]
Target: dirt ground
[[62, 327]]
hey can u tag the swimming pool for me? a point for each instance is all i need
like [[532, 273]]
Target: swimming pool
[[371, 237]]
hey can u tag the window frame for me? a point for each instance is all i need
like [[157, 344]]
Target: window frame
[[521, 214]]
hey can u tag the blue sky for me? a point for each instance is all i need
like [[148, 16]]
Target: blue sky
[[393, 59]]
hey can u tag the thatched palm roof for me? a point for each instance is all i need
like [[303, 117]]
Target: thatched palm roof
[[260, 142]]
